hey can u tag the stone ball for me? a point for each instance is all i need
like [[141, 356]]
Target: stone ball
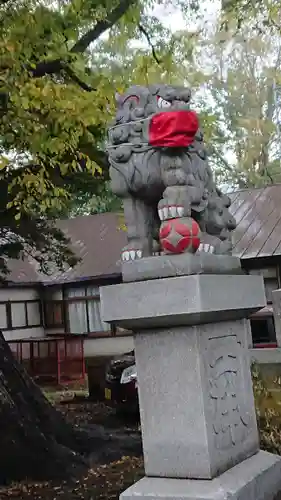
[[179, 235]]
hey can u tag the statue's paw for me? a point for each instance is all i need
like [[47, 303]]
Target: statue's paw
[[131, 252], [224, 248], [208, 243], [168, 210]]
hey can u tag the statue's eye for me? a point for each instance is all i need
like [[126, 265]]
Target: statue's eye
[[162, 103]]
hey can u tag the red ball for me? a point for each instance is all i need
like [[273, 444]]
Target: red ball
[[179, 235]]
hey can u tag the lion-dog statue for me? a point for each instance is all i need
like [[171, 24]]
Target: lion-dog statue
[[158, 165]]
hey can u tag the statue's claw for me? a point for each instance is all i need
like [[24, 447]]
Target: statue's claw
[[205, 247], [134, 250], [131, 254], [208, 243]]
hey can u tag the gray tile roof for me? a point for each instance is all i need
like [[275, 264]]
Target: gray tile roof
[[98, 239]]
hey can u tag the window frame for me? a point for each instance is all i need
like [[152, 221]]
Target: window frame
[[112, 329], [9, 304], [53, 325], [4, 303], [270, 329], [86, 300], [111, 332]]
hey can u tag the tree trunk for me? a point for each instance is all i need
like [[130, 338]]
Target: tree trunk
[[36, 441]]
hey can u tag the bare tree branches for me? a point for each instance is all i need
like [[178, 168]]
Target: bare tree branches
[[146, 34]]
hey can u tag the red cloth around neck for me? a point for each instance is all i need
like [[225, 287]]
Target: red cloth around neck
[[173, 129]]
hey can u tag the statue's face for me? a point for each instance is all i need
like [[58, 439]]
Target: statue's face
[[158, 116], [141, 102]]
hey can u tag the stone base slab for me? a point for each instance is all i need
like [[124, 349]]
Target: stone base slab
[[168, 266], [257, 478]]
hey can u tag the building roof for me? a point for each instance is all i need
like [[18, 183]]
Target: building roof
[[258, 216], [98, 239]]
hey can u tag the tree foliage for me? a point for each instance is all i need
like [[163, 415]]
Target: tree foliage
[[63, 61], [59, 72], [241, 102], [264, 15]]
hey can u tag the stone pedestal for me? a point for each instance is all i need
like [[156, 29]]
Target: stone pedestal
[[198, 420], [196, 400]]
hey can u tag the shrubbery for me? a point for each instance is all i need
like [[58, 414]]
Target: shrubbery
[[268, 415]]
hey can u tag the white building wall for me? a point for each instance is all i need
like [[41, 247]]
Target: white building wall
[[52, 293], [18, 294], [110, 346], [25, 333]]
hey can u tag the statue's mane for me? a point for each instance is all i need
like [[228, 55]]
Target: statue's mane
[[128, 133]]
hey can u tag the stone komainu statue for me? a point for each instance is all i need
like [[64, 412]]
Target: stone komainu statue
[[158, 165]]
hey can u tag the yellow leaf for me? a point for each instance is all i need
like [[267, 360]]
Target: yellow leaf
[[10, 47], [3, 163]]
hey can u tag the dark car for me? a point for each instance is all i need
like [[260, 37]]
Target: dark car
[[121, 384]]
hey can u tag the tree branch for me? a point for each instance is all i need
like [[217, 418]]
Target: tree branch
[[102, 26], [144, 32], [98, 156], [78, 80], [47, 68], [215, 152], [56, 65]]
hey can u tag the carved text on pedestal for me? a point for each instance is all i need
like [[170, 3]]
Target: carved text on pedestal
[[230, 423]]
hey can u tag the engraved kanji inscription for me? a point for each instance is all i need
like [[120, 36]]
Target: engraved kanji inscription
[[226, 387]]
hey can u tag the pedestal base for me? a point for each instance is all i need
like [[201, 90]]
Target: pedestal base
[[169, 266], [257, 478]]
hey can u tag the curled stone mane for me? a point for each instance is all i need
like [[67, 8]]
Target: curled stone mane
[[157, 181]]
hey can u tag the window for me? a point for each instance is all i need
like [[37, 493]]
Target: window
[[263, 330], [76, 292], [77, 317], [33, 313], [18, 315], [3, 317], [23, 314], [83, 310], [88, 291], [93, 291], [54, 314]]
